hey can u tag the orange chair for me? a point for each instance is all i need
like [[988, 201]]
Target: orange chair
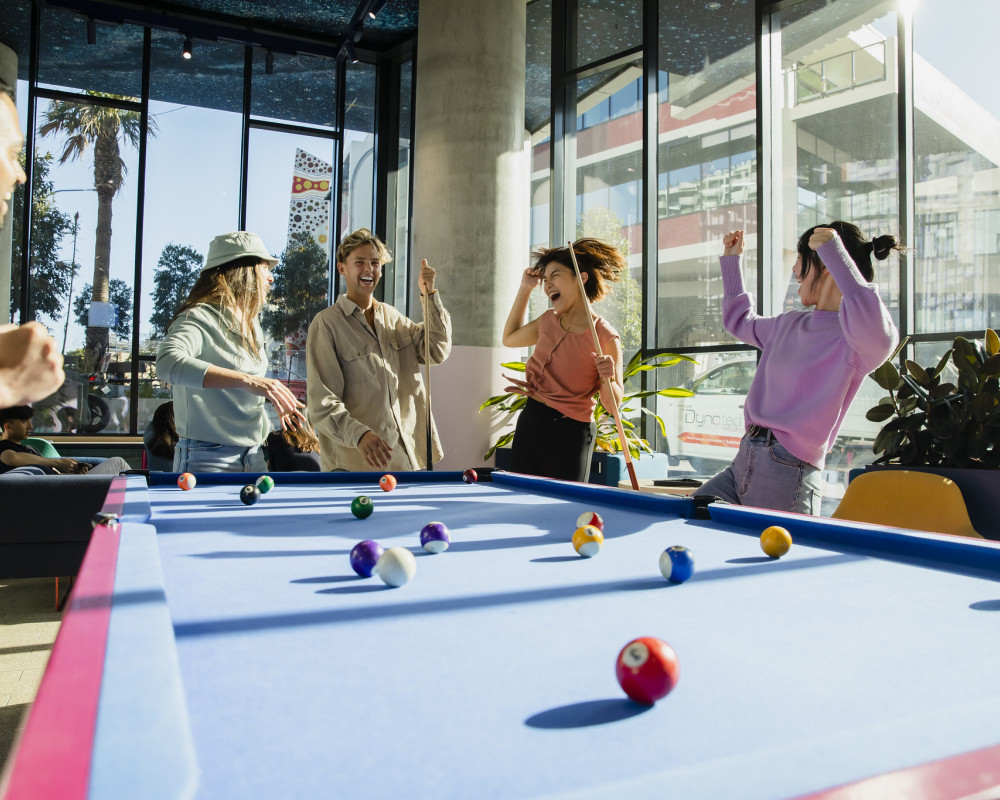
[[907, 499]]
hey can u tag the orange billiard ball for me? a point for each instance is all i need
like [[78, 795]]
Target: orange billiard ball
[[187, 481], [775, 541], [387, 482]]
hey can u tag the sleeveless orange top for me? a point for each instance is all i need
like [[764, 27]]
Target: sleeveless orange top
[[561, 372]]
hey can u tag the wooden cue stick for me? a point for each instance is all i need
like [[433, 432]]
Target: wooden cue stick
[[427, 379], [597, 344]]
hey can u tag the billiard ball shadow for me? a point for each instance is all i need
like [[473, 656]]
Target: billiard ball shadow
[[369, 585], [554, 559], [586, 714], [329, 579], [751, 560], [986, 605]]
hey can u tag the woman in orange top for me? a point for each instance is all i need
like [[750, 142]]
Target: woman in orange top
[[555, 431]]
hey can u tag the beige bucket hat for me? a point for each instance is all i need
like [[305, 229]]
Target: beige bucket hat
[[230, 246]]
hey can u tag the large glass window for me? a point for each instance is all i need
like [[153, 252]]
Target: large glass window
[[358, 178], [81, 285], [192, 182], [608, 159], [956, 119], [289, 202], [706, 164], [399, 189]]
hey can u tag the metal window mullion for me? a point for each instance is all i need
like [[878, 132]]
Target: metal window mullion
[[338, 168], [133, 424], [245, 143], [907, 216], [29, 164]]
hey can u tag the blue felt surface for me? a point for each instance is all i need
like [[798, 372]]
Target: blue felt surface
[[491, 674], [144, 745]]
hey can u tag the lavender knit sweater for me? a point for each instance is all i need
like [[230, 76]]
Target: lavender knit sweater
[[812, 362]]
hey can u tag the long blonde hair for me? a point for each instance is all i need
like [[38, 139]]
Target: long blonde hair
[[238, 286]]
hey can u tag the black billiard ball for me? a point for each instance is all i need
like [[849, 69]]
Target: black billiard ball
[[249, 494]]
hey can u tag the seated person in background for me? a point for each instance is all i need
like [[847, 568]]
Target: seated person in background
[[292, 450], [161, 437], [16, 458]]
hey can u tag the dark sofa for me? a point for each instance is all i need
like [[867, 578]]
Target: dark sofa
[[46, 526]]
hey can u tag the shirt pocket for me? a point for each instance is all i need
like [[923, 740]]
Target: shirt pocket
[[403, 352], [360, 366]]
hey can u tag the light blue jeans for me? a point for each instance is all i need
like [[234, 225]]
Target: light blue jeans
[[194, 455], [764, 474]]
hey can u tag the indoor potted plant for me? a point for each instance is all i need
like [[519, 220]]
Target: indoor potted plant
[[948, 424], [606, 445]]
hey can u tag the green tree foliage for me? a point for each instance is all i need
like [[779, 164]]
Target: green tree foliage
[[300, 287], [50, 277], [104, 129], [120, 295], [176, 272], [622, 308]]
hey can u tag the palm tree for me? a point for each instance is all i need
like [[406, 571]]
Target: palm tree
[[104, 128]]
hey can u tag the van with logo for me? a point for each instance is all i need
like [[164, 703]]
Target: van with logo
[[706, 428]]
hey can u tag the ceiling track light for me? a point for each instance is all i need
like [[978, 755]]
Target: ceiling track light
[[91, 31], [188, 47], [268, 63], [350, 52], [376, 7]]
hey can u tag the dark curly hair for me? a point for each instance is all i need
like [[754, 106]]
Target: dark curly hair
[[857, 244], [602, 262]]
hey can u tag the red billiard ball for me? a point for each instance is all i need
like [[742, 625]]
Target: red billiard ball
[[470, 476], [590, 518], [387, 482], [647, 669]]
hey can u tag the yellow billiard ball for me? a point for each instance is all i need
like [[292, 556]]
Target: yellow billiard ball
[[775, 541], [588, 541]]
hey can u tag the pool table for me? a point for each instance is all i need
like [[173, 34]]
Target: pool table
[[216, 650]]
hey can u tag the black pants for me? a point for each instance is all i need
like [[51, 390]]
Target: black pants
[[551, 445]]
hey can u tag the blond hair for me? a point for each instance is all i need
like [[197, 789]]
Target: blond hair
[[360, 238], [238, 286]]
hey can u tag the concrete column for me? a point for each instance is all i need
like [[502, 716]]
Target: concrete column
[[8, 71], [471, 203]]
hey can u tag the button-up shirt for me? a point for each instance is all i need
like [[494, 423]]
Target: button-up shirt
[[363, 378]]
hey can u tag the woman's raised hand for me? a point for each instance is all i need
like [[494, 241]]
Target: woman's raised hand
[[733, 242], [531, 278], [820, 236]]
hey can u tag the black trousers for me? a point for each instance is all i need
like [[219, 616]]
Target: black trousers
[[551, 445]]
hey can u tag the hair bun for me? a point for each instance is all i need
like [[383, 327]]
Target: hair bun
[[882, 246]]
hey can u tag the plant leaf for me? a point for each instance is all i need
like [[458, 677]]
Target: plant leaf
[[887, 376], [918, 373], [881, 412], [992, 342], [506, 439]]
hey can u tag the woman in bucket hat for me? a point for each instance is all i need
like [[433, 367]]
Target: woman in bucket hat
[[213, 356]]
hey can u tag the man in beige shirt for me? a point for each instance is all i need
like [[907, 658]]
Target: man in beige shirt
[[364, 392]]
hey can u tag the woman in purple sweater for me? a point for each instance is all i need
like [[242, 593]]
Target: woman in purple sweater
[[811, 366]]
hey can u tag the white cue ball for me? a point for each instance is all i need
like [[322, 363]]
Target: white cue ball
[[396, 566]]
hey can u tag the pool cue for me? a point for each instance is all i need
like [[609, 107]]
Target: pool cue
[[427, 379], [597, 344]]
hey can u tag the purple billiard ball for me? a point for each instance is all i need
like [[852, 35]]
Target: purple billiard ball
[[364, 557], [434, 537]]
